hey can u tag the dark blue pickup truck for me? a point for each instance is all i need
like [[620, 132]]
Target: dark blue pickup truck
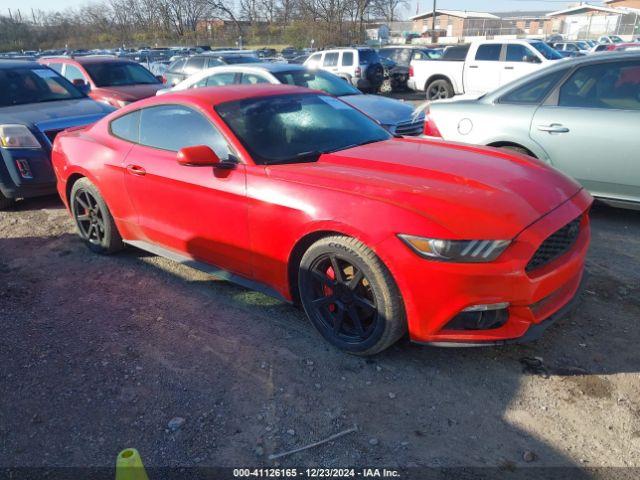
[[36, 103]]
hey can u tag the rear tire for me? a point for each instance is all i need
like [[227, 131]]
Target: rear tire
[[350, 296], [439, 90], [5, 202], [96, 226]]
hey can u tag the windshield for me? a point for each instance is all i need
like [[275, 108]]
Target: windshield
[[111, 74], [317, 80], [615, 39], [297, 128], [546, 51], [19, 86]]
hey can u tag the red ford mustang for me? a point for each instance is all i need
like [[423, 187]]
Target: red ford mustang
[[297, 194]]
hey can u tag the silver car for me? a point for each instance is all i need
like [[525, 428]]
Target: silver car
[[398, 117], [581, 115]]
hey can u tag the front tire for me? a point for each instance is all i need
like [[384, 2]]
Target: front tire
[[439, 90], [350, 296], [95, 224], [5, 202]]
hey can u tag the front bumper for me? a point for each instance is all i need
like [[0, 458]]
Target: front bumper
[[436, 292]]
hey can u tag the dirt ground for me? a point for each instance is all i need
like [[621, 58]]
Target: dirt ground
[[102, 353]]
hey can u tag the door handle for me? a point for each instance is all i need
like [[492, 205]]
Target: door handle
[[473, 66], [136, 170], [553, 128], [508, 68]]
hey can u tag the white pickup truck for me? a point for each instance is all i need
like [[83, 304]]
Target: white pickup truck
[[478, 67]]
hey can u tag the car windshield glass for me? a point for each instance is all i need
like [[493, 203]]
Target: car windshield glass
[[111, 74], [297, 128], [616, 39], [317, 80], [546, 51], [240, 59], [19, 86]]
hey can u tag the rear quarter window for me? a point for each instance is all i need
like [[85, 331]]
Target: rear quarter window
[[127, 127]]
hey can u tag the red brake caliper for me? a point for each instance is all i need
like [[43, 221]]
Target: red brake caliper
[[328, 291]]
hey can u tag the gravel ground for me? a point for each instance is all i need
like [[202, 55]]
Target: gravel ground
[[102, 353]]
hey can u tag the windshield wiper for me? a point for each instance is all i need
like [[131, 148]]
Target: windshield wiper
[[310, 156]]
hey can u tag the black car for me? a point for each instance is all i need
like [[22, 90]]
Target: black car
[[266, 52], [290, 52], [36, 103], [183, 68], [396, 60]]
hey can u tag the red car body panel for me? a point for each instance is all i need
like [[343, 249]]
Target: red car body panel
[[110, 95], [249, 220]]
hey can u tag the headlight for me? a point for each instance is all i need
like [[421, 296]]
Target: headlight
[[17, 136], [470, 251]]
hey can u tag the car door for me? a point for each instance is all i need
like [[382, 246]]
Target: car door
[[200, 212], [482, 74], [589, 128], [519, 60]]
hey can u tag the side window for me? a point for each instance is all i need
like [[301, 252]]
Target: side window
[[315, 57], [193, 65], [177, 66], [331, 59], [71, 72], [489, 52], [571, 47], [213, 62], [56, 66], [252, 79], [518, 53], [188, 128], [126, 127], [403, 56], [535, 91], [608, 85], [347, 59], [221, 79]]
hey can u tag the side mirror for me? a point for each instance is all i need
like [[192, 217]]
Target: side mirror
[[201, 156]]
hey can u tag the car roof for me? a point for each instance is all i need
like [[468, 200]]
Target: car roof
[[561, 65], [91, 59], [10, 64], [228, 93]]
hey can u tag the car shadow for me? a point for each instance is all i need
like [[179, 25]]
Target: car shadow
[[38, 203], [101, 352]]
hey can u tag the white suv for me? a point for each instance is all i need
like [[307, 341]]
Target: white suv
[[359, 66]]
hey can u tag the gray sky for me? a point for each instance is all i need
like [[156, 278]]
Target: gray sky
[[478, 5]]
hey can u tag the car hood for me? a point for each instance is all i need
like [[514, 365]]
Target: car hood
[[473, 192], [129, 93], [386, 110], [83, 110]]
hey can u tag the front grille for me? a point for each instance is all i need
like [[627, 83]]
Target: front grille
[[555, 246], [51, 134], [411, 128]]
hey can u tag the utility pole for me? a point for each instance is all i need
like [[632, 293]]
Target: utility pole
[[434, 37]]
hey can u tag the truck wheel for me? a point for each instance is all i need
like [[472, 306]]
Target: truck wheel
[[350, 296], [93, 218], [439, 90], [5, 202]]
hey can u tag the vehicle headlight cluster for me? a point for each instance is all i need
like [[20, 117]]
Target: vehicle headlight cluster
[[469, 251], [17, 136]]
